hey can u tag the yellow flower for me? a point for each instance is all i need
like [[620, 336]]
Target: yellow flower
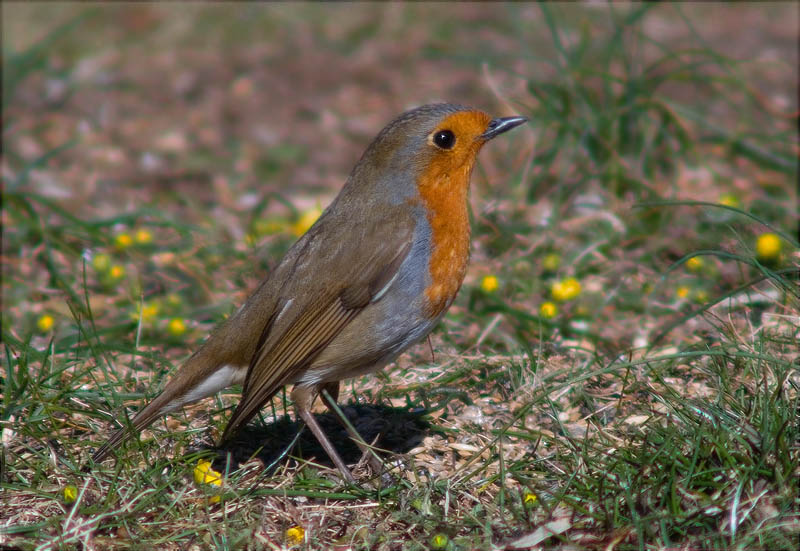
[[101, 262], [306, 220], [204, 474], [147, 311], [729, 200], [123, 241], [694, 264], [116, 271], [70, 494], [530, 498], [174, 300], [295, 535], [45, 323], [439, 541], [682, 291], [489, 284], [143, 237], [176, 327], [768, 248], [548, 310], [150, 311], [551, 262], [566, 289]]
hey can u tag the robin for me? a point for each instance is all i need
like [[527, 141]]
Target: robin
[[370, 278]]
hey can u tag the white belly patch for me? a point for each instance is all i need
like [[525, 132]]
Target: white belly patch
[[223, 377]]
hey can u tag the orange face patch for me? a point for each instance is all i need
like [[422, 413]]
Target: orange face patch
[[444, 186]]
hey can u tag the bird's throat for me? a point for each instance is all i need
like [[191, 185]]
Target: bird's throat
[[444, 194]]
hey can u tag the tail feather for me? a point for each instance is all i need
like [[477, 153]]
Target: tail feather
[[193, 382], [141, 421]]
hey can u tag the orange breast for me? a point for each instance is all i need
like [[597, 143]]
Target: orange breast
[[443, 188], [444, 193]]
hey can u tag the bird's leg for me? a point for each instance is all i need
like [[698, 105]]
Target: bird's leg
[[330, 394], [303, 398]]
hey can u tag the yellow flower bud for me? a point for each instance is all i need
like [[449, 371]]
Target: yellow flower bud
[[439, 541], [70, 494], [729, 200], [176, 327], [143, 237], [566, 289], [204, 474], [45, 323], [694, 264], [147, 311], [116, 271], [548, 310], [295, 535], [768, 248], [123, 241], [490, 284]]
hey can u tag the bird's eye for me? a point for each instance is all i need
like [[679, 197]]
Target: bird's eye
[[444, 139]]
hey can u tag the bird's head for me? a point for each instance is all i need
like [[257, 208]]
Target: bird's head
[[433, 143]]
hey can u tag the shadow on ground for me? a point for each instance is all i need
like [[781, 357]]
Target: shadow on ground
[[397, 431]]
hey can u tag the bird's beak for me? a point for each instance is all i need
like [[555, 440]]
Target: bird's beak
[[498, 126]]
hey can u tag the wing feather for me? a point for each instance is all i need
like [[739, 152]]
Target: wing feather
[[281, 358]]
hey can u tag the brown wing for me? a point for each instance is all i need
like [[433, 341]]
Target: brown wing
[[320, 315]]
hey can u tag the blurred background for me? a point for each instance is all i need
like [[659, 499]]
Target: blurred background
[[282, 97]]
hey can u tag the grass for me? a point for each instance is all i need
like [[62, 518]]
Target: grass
[[656, 408]]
